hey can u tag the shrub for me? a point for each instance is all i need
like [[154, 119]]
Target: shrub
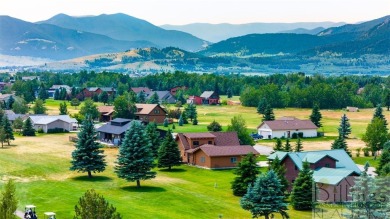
[[358, 150], [300, 134], [40, 130], [294, 135], [366, 151], [57, 130], [224, 102]]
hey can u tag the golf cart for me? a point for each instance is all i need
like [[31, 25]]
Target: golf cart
[[49, 215], [29, 212]]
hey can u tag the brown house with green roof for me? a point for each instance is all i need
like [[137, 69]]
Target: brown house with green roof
[[212, 150]]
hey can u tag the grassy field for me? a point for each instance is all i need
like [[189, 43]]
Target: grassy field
[[40, 167]]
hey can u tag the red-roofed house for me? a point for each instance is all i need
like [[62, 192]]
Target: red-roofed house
[[285, 127], [212, 150]]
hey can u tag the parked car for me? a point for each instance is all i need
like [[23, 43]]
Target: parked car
[[256, 136]]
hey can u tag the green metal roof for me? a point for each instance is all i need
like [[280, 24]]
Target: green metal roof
[[331, 176]]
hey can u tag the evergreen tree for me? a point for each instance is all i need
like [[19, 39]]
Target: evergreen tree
[[20, 106], [316, 116], [43, 94], [141, 98], [2, 136], [93, 205], [280, 171], [265, 197], [57, 94], [379, 114], [229, 93], [180, 122], [262, 106], [278, 145], [287, 146], [214, 127], [63, 93], [216, 87], [88, 155], [154, 137], [246, 172], [95, 98], [238, 125], [384, 160], [154, 99], [135, 159], [173, 126], [103, 97], [63, 108], [166, 122], [184, 117], [387, 99], [9, 203], [10, 102], [302, 192], [18, 124], [268, 114], [28, 129], [9, 135], [298, 146], [39, 107], [169, 153], [345, 127], [190, 111], [195, 121], [340, 143]]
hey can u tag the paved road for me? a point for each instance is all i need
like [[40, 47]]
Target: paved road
[[19, 214]]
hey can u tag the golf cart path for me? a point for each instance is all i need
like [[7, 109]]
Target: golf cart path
[[19, 214]]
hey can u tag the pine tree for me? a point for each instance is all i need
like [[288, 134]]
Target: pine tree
[[345, 127], [316, 116], [190, 111], [261, 108], [280, 170], [229, 93], [195, 121], [287, 146], [63, 108], [9, 135], [384, 160], [154, 99], [56, 94], [141, 97], [214, 127], [278, 145], [135, 159], [10, 102], [379, 114], [185, 118], [340, 143], [246, 172], [265, 197], [180, 122], [173, 126], [2, 136], [103, 97], [268, 114], [302, 192], [93, 205], [28, 129], [166, 122], [298, 146], [169, 153], [9, 203], [154, 137], [88, 155]]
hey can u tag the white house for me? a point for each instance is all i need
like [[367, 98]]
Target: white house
[[285, 127], [46, 122]]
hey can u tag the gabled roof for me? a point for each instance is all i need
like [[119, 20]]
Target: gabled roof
[[47, 119], [207, 94], [9, 112], [183, 140], [58, 86], [162, 95], [226, 138], [92, 89], [12, 117], [113, 129], [331, 176], [289, 124], [107, 89], [216, 151], [105, 109], [146, 108], [139, 89], [199, 135]]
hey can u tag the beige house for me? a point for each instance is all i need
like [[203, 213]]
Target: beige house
[[46, 122]]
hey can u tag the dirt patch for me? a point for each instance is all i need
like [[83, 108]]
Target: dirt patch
[[6, 178]]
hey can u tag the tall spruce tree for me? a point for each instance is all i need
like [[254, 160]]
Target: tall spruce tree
[[287, 146], [345, 127], [384, 160], [166, 122], [8, 201], [154, 137], [262, 106], [28, 129], [278, 145], [9, 135], [88, 155], [135, 159], [154, 99], [302, 192], [268, 114], [316, 116], [379, 114], [141, 98], [181, 122], [195, 121], [93, 205], [246, 172], [298, 146], [280, 170], [169, 153], [190, 111], [340, 143], [265, 197]]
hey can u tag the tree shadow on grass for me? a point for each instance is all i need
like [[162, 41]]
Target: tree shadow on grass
[[92, 179], [173, 170], [143, 189]]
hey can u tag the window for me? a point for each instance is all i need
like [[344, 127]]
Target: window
[[327, 165], [156, 111], [210, 142], [202, 159], [233, 159], [195, 143]]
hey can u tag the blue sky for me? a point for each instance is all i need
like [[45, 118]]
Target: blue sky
[[161, 12]]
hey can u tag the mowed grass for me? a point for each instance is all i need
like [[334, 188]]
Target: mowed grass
[[40, 167]]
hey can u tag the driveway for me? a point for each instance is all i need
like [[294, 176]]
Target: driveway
[[263, 150]]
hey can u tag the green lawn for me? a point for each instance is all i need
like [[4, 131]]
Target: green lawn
[[40, 166], [362, 160]]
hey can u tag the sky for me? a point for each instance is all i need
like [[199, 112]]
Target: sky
[[179, 12]]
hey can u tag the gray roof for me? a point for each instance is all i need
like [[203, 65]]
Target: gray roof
[[58, 86], [107, 89], [12, 117], [120, 120], [162, 95], [47, 119], [207, 94], [113, 129]]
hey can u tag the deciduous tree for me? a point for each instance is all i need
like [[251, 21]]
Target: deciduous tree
[[63, 108], [238, 125], [9, 202], [214, 127], [103, 97], [124, 108], [39, 107], [376, 135], [89, 109]]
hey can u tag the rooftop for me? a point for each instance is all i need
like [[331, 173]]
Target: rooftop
[[289, 124], [220, 151]]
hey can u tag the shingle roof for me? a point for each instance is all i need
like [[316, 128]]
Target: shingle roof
[[92, 89], [289, 124], [139, 89], [226, 138], [12, 117], [120, 120], [112, 129], [161, 94], [207, 94], [105, 109], [199, 135], [217, 151], [58, 86], [47, 119], [107, 89], [183, 140], [146, 108], [331, 176]]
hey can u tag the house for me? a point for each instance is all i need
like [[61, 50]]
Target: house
[[195, 100], [210, 97], [334, 171], [53, 89], [174, 90], [11, 115], [352, 109], [30, 78], [140, 89], [285, 127], [105, 113], [212, 150], [48, 122], [114, 131], [4, 98], [163, 96], [110, 90], [89, 92], [150, 113]]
